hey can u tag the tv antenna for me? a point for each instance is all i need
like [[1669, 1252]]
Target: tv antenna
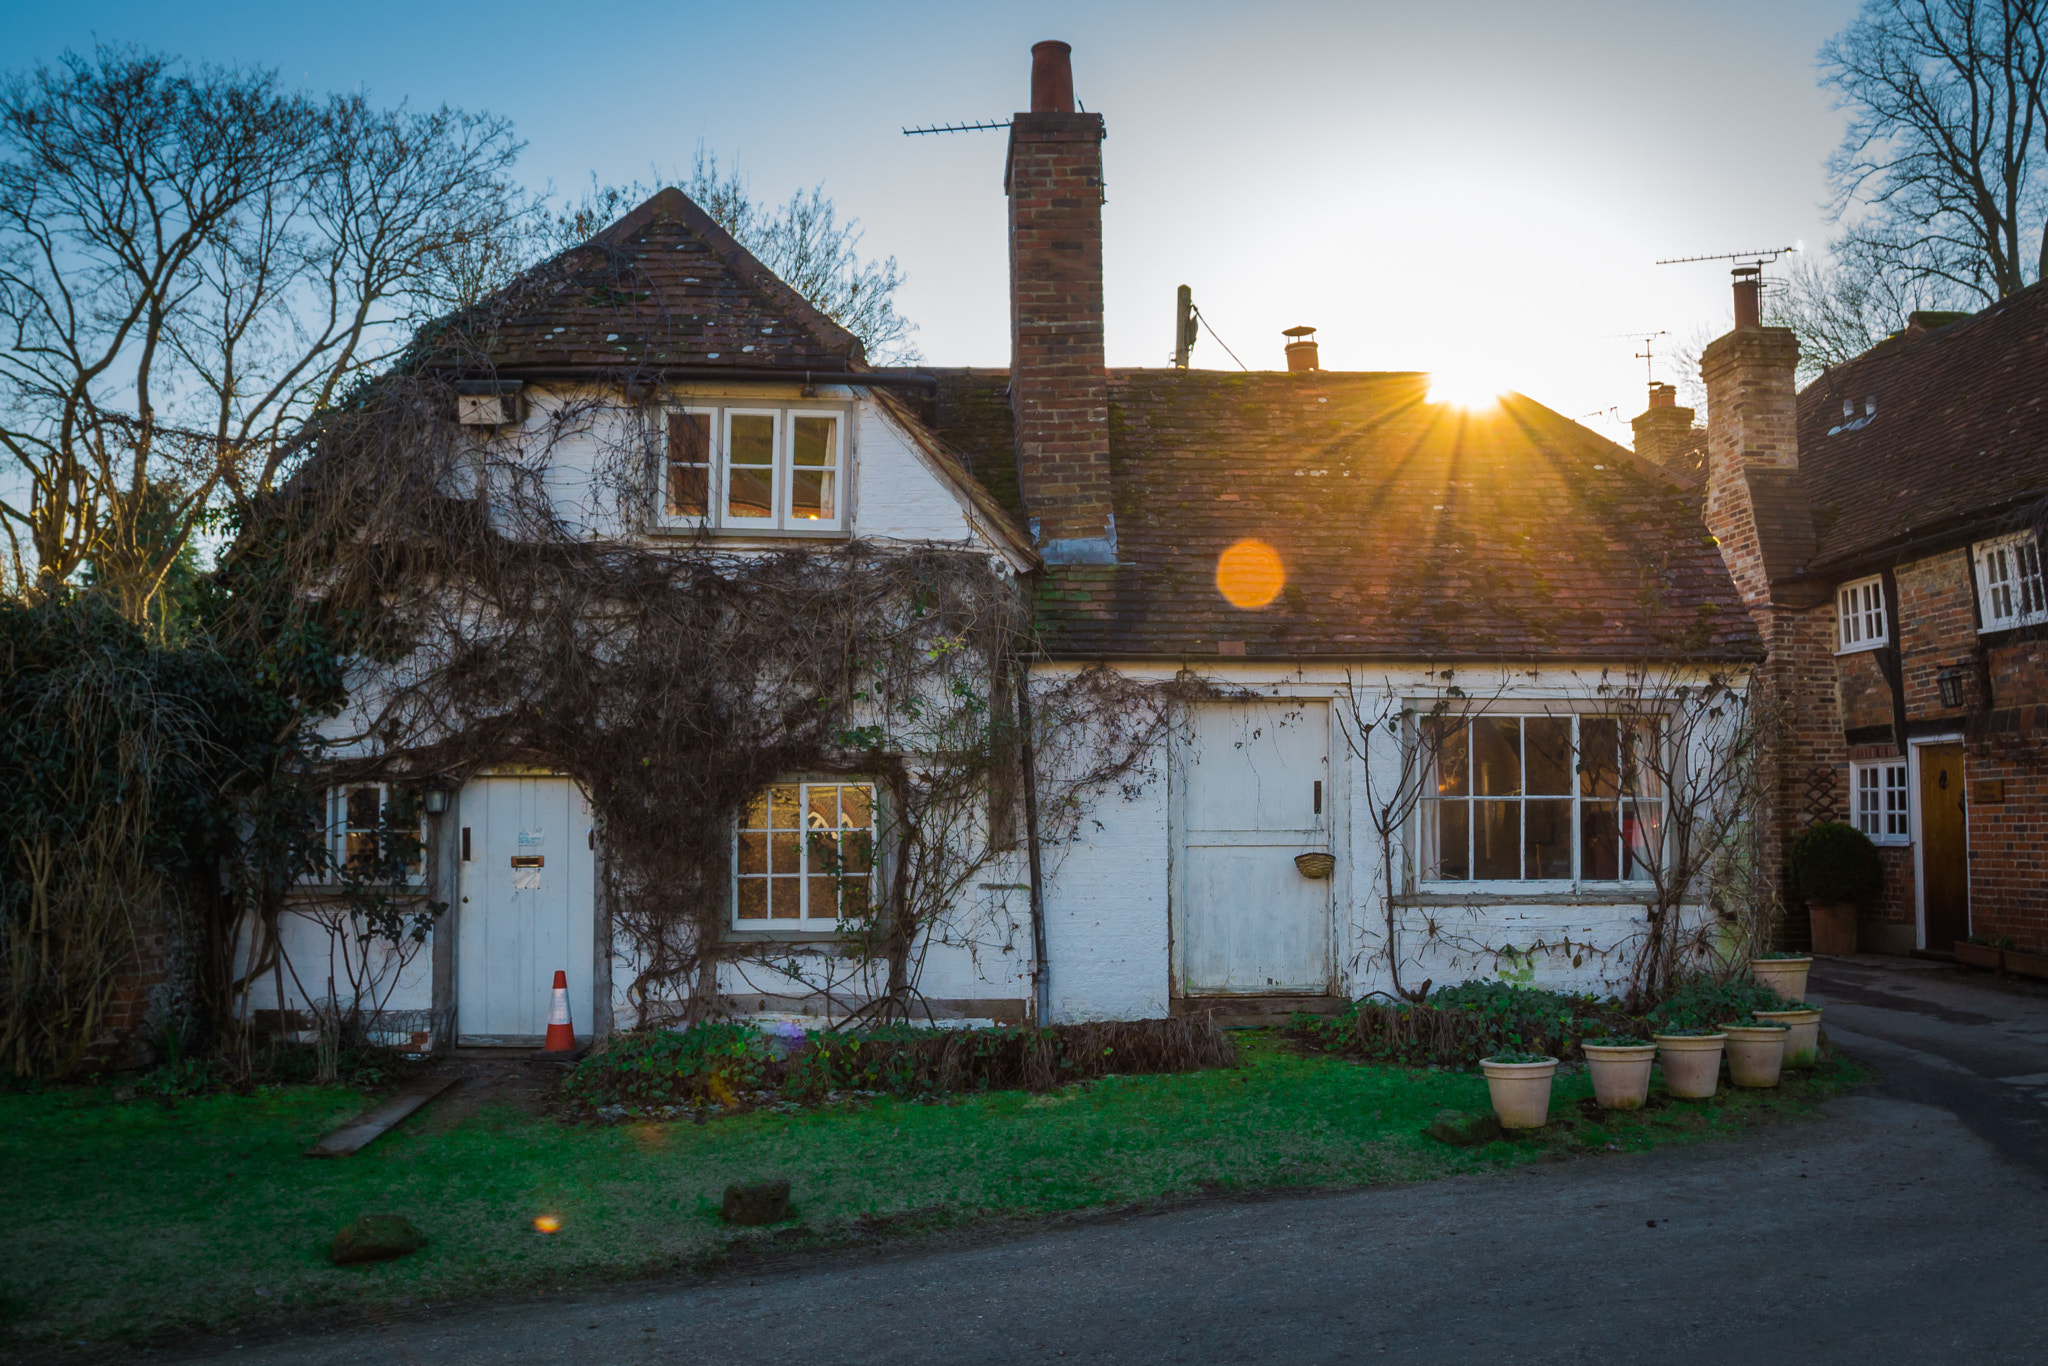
[[1759, 258], [955, 128], [1648, 356]]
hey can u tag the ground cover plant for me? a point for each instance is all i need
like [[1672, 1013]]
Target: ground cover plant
[[133, 1220], [1459, 1025]]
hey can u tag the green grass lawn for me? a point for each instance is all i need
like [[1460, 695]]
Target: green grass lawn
[[129, 1220]]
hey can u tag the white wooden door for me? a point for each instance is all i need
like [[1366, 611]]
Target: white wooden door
[[1253, 792], [528, 890]]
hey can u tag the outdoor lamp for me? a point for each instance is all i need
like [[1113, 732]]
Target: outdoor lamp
[[435, 800], [1950, 682]]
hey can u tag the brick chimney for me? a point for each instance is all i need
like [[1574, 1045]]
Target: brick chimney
[[1755, 506], [1059, 388], [1664, 434]]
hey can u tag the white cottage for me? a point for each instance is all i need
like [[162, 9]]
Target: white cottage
[[1433, 649]]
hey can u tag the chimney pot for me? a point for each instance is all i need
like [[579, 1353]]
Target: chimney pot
[[1663, 395], [1052, 78], [1301, 349], [1748, 296]]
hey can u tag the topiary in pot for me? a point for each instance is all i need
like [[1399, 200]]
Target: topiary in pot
[[1834, 868]]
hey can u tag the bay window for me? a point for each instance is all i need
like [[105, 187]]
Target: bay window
[[754, 469], [1540, 798]]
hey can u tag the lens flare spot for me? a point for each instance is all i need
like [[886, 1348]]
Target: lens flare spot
[[547, 1223], [1250, 574], [1464, 388]]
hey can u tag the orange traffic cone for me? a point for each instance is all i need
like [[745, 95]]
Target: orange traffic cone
[[561, 1034]]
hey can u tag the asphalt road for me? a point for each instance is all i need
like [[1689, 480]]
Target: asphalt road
[[1908, 1225]]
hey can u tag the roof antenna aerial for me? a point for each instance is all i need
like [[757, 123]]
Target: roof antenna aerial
[[955, 128], [1185, 328]]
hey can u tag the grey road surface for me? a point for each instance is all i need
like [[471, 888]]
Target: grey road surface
[[1908, 1225]]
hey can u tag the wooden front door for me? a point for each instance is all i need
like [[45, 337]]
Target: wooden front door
[[1253, 792], [528, 893], [1944, 846]]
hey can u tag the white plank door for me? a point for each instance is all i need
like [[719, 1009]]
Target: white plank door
[[528, 908], [1254, 791]]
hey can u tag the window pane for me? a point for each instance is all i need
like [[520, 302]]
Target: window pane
[[750, 466], [1497, 840], [821, 852], [784, 808], [1599, 756], [1497, 756], [785, 852], [1446, 841], [1547, 839], [1452, 741], [689, 464], [1547, 751], [753, 898], [1639, 760], [1642, 831], [755, 817], [824, 898], [814, 442], [857, 807], [753, 852], [362, 808], [853, 898], [813, 495], [785, 898], [1599, 842]]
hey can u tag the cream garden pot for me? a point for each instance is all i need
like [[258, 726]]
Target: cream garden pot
[[1786, 976], [1756, 1054], [1692, 1064], [1520, 1091], [1621, 1074], [1802, 1034]]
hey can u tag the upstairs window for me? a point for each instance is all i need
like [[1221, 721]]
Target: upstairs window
[[804, 856], [1542, 799], [754, 469], [2009, 582], [1881, 811], [1860, 610]]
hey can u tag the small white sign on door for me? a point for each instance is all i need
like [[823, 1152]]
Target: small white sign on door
[[534, 836], [526, 879]]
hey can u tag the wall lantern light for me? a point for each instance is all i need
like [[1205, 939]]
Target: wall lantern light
[[1950, 681], [435, 800]]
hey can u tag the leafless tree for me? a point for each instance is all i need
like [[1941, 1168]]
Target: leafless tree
[[1842, 304], [1943, 172], [803, 242], [193, 261]]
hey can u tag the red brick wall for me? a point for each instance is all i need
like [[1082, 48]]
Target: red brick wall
[[1059, 388], [2009, 837]]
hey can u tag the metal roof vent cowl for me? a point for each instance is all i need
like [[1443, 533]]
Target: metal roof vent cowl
[[1301, 349]]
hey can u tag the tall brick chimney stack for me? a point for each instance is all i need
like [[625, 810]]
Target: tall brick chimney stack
[[1059, 388], [1664, 431], [1754, 504]]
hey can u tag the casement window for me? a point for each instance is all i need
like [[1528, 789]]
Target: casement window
[[2009, 582], [1541, 799], [804, 856], [1881, 811], [375, 834], [1860, 616], [754, 469]]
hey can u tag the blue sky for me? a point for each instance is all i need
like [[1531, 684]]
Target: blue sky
[[1479, 186]]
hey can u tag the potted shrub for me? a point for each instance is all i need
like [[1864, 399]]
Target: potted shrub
[[1802, 1031], [1979, 952], [1784, 973], [1835, 869], [1692, 1061], [1520, 1086], [1621, 1071], [1756, 1052]]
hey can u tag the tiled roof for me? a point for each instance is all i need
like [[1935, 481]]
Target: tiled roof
[[664, 286], [1406, 530], [1960, 430]]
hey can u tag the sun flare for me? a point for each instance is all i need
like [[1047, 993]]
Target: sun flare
[[1250, 574], [1464, 388]]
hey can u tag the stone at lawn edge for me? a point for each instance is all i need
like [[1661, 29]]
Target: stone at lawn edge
[[376, 1238], [1462, 1130], [764, 1202]]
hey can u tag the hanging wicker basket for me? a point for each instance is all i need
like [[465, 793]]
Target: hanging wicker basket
[[1317, 865]]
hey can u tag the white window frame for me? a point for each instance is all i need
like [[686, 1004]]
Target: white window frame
[[806, 921], [338, 829], [1579, 800], [783, 522], [1881, 792], [2010, 582], [1862, 620]]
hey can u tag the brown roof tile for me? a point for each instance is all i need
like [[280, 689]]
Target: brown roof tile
[[1960, 431], [1407, 530]]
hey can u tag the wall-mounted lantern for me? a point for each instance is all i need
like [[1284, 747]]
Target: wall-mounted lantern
[[1950, 681], [434, 799]]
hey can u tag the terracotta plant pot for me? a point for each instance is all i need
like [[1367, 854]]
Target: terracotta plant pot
[[1802, 1034], [1756, 1055], [1621, 1075], [1984, 956], [1692, 1064], [2026, 964], [1520, 1091], [1834, 927], [1786, 976]]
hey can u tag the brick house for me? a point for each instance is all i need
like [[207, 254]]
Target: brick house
[[1884, 528]]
